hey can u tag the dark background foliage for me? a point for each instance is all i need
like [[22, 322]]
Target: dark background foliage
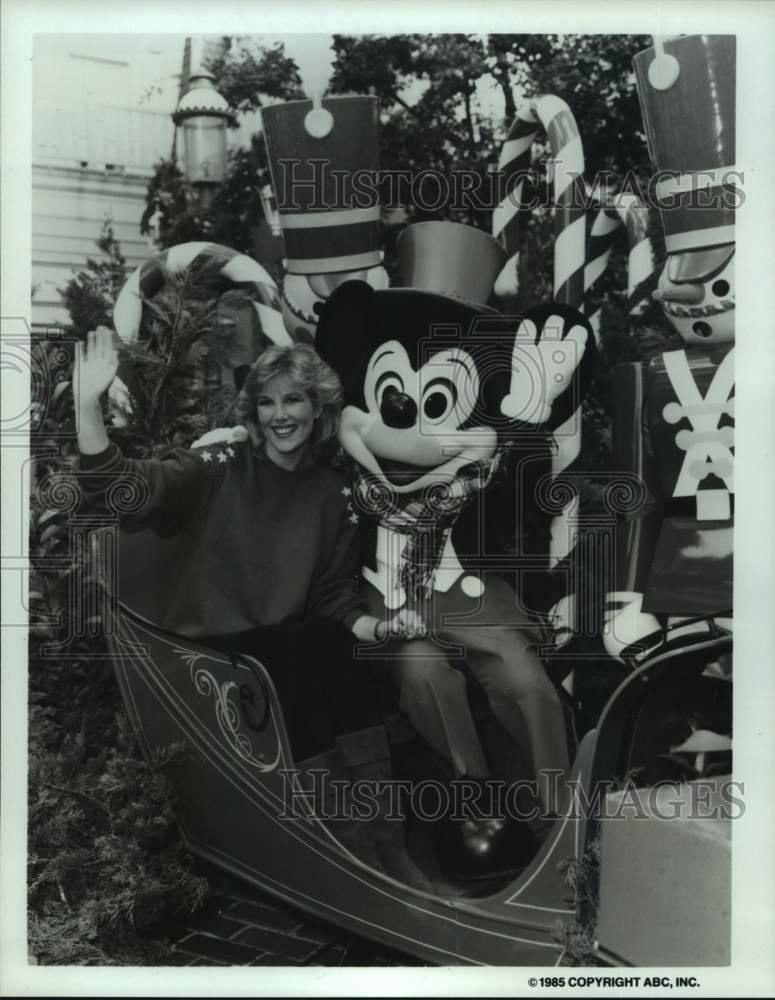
[[107, 870], [105, 865]]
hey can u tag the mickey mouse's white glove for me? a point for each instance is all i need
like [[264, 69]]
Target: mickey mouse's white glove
[[627, 625], [222, 435], [541, 371]]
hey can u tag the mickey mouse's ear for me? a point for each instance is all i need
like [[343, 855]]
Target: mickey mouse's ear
[[343, 320], [341, 337]]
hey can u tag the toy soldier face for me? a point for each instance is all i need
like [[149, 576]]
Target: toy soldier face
[[701, 309], [411, 433]]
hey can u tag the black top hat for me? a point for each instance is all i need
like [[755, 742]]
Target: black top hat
[[450, 260], [689, 116], [324, 162]]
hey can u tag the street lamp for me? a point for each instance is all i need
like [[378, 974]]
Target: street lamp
[[269, 208], [203, 114]]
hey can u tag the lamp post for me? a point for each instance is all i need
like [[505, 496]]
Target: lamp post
[[203, 115], [269, 208]]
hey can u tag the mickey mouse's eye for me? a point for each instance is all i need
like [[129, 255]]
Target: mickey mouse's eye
[[439, 399], [385, 383]]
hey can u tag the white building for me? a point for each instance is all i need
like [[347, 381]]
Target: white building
[[102, 106]]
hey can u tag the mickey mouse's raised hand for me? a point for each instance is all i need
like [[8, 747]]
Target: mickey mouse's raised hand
[[549, 347]]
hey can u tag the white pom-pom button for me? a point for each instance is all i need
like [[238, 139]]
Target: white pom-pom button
[[318, 123], [472, 586], [664, 71]]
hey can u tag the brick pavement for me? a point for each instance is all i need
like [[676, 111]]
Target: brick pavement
[[243, 926]]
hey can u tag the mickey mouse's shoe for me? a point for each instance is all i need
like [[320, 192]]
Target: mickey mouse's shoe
[[485, 843]]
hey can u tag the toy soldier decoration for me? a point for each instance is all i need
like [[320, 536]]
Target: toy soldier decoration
[[674, 418], [324, 160]]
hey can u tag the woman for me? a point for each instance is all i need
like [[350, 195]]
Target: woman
[[268, 560]]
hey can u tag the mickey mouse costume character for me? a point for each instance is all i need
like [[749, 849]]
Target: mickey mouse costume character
[[674, 417], [429, 372]]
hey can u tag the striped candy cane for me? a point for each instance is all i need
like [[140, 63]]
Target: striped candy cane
[[552, 115], [236, 271], [626, 211], [513, 164]]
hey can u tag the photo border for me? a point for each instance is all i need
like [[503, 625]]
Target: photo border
[[753, 968]]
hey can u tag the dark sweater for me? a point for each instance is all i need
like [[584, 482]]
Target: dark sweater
[[255, 544]]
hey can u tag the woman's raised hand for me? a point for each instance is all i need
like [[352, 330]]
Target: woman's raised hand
[[96, 364]]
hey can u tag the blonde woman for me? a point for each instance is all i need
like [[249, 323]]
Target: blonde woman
[[269, 557]]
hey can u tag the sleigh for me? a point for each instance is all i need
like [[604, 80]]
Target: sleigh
[[221, 713]]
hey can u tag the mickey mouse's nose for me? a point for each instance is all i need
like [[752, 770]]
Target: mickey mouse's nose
[[398, 409]]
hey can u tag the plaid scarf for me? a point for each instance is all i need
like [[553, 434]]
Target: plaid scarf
[[425, 517]]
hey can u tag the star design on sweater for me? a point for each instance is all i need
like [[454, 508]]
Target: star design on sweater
[[346, 491], [206, 456], [353, 518], [222, 456], [230, 452]]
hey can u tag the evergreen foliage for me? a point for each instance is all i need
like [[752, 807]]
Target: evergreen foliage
[[171, 208], [90, 294], [174, 370], [106, 865]]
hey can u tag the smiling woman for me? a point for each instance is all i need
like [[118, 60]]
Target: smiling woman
[[266, 554], [290, 405], [286, 417]]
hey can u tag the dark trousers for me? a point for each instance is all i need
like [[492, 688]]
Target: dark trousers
[[324, 692]]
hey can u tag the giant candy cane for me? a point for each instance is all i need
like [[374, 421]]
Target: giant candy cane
[[553, 115], [234, 270], [569, 193], [627, 211]]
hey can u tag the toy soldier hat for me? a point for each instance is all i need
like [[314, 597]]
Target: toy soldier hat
[[689, 115], [324, 162], [451, 260]]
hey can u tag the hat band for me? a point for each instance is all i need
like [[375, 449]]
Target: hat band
[[319, 220], [328, 265], [713, 236], [323, 242], [696, 180]]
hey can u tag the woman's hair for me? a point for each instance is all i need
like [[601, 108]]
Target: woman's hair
[[306, 371]]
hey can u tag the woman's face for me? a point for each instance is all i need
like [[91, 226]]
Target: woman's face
[[286, 416]]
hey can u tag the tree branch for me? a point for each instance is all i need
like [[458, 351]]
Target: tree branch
[[76, 792]]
